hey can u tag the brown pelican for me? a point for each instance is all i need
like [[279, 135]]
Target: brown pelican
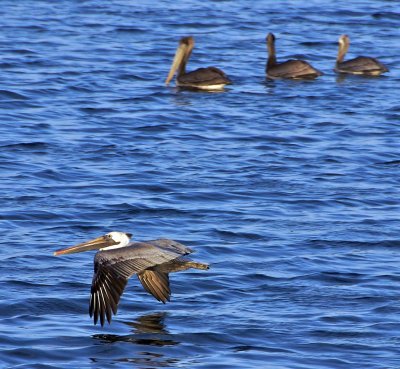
[[295, 69], [360, 65], [119, 259], [209, 78]]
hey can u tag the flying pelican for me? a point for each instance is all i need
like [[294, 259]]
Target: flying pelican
[[119, 259], [209, 78], [295, 69], [360, 65]]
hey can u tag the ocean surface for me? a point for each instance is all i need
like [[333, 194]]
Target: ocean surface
[[289, 189]]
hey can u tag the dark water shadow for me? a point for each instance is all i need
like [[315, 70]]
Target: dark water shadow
[[150, 323], [343, 77], [146, 330], [151, 343], [186, 96], [273, 82]]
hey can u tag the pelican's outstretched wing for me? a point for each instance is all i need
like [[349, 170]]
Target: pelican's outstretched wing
[[113, 268]]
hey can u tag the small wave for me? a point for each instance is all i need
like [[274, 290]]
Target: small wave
[[127, 29], [391, 162], [12, 95], [386, 15], [28, 146], [97, 110]]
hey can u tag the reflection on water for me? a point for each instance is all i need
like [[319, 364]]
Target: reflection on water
[[152, 323], [151, 361], [148, 330], [342, 77]]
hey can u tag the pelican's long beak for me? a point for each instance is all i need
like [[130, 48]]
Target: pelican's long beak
[[179, 55], [95, 244]]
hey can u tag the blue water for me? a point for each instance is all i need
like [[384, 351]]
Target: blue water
[[289, 189]]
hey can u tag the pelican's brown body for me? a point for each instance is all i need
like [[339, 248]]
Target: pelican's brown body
[[362, 65], [210, 78], [294, 69]]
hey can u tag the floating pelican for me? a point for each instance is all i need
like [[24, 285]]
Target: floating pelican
[[360, 65], [209, 78], [295, 69], [119, 259]]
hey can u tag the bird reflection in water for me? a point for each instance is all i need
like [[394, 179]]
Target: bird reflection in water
[[151, 323], [148, 330], [354, 79]]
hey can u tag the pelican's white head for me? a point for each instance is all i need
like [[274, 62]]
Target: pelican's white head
[[112, 240], [344, 41], [120, 239]]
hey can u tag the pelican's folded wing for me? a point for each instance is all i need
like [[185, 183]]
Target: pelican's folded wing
[[205, 76]]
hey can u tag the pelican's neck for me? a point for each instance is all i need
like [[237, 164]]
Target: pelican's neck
[[185, 58], [182, 68], [179, 63], [271, 53], [343, 47]]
